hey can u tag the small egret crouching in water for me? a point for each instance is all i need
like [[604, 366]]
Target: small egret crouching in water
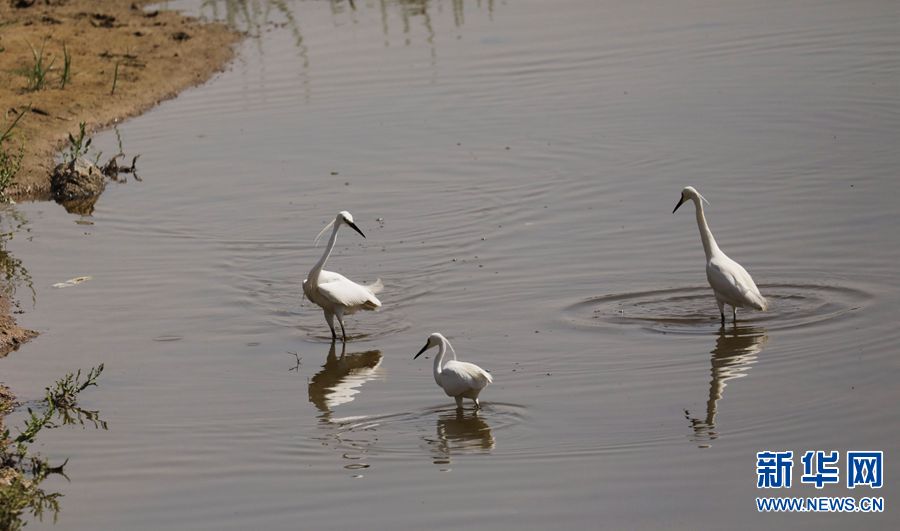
[[458, 379], [336, 294], [731, 283]]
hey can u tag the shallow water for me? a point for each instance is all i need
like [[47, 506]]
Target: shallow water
[[514, 166]]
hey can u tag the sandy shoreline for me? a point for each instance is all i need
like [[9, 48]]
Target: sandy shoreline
[[148, 55]]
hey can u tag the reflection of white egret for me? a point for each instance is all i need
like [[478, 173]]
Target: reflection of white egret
[[336, 294], [458, 379], [340, 378], [731, 283], [735, 351], [461, 433]]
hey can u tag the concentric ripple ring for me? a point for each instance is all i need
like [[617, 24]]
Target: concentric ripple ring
[[693, 310]]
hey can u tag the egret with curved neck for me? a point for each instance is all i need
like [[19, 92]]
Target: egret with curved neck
[[458, 379], [336, 294], [731, 283]]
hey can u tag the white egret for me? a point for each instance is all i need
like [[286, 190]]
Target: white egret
[[729, 280], [458, 379], [336, 294]]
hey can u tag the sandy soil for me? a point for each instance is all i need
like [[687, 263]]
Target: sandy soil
[[158, 54], [11, 335]]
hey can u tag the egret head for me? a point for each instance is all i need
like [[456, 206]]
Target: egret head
[[434, 340], [342, 217], [689, 192], [346, 217]]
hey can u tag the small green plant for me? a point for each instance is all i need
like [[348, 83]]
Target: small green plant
[[67, 67], [37, 72], [13, 273], [22, 472], [33, 425], [115, 79], [78, 146], [64, 393], [24, 495], [10, 164], [10, 161], [7, 134]]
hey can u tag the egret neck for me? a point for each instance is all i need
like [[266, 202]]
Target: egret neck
[[439, 359], [314, 273], [709, 243]]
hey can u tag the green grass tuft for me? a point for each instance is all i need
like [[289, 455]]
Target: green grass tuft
[[10, 161], [37, 72], [67, 67]]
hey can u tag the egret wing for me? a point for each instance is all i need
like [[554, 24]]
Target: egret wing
[[457, 377], [341, 290], [733, 283]]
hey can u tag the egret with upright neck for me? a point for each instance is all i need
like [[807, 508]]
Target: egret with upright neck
[[336, 294], [458, 379], [731, 283]]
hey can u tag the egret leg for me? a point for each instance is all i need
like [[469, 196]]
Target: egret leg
[[458, 402], [329, 318], [734, 313], [340, 318], [477, 403], [721, 309]]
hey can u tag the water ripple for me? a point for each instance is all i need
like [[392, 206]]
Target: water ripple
[[692, 310]]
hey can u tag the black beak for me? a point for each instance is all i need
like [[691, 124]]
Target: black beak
[[421, 351], [354, 227], [680, 202]]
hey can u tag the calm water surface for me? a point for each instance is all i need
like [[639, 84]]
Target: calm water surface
[[514, 166]]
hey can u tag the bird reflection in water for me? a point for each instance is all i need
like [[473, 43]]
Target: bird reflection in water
[[338, 383], [460, 432], [340, 378], [736, 349]]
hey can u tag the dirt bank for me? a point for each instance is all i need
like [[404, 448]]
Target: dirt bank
[[123, 60], [11, 336], [158, 53]]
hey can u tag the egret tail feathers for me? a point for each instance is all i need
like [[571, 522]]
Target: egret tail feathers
[[372, 304], [754, 299], [761, 303], [376, 287]]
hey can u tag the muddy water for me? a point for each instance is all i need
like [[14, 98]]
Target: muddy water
[[514, 166]]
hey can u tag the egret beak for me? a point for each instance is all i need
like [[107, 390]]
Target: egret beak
[[680, 202], [421, 351], [354, 227]]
